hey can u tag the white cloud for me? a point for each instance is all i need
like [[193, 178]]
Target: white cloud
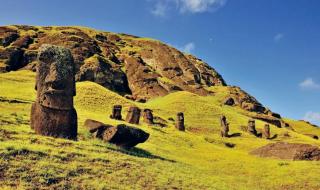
[[188, 48], [161, 8], [278, 37], [313, 117], [309, 84], [199, 6]]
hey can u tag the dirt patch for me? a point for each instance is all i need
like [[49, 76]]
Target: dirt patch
[[290, 151]]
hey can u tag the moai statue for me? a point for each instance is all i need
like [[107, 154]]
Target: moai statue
[[224, 126], [133, 115], [266, 131], [252, 127], [180, 122], [116, 112], [53, 113], [148, 116]]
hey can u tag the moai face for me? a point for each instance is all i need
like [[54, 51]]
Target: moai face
[[55, 83], [180, 117]]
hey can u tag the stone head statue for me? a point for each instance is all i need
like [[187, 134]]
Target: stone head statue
[[55, 83]]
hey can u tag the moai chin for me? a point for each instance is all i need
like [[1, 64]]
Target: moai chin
[[267, 131], [53, 113], [116, 112], [133, 115], [148, 116], [180, 122], [224, 126], [252, 127]]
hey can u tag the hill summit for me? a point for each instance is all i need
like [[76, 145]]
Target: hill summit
[[134, 67]]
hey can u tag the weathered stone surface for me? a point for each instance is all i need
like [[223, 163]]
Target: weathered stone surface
[[229, 101], [224, 126], [53, 113], [15, 58], [290, 151], [96, 127], [116, 112], [252, 127], [180, 122], [148, 116], [8, 38], [133, 115], [125, 136], [266, 131]]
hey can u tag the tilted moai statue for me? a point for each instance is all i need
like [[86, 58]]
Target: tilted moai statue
[[180, 122], [148, 116], [224, 126], [266, 131], [53, 113], [116, 112], [133, 115], [252, 127]]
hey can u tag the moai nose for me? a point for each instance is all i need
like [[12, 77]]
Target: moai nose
[[54, 78]]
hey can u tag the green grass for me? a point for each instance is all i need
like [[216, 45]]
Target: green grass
[[195, 159]]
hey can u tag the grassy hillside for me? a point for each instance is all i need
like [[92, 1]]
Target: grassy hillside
[[195, 159]]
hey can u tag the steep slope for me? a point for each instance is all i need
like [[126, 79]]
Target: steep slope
[[195, 159], [136, 68], [126, 64]]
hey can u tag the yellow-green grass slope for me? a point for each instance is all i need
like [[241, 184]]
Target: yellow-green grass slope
[[195, 159]]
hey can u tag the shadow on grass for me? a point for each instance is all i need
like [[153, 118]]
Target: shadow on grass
[[234, 135], [138, 152]]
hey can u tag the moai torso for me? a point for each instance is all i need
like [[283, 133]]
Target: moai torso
[[53, 113], [224, 126], [252, 127], [116, 112], [267, 131], [133, 115], [148, 116], [180, 122]]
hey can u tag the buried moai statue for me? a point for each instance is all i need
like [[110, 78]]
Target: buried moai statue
[[252, 127], [266, 131], [180, 122], [53, 113], [116, 112], [148, 116], [224, 126], [133, 115]]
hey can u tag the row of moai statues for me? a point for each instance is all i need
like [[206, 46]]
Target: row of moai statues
[[134, 113], [250, 129]]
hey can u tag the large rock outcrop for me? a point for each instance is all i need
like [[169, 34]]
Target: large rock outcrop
[[126, 64]]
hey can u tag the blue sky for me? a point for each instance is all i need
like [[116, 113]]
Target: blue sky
[[270, 48]]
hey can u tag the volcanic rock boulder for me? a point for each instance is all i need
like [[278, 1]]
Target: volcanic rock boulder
[[133, 115], [53, 113], [180, 122], [125, 136], [290, 151], [148, 116], [96, 128], [116, 112], [224, 126], [229, 101]]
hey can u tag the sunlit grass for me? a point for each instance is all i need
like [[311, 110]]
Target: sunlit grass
[[195, 159]]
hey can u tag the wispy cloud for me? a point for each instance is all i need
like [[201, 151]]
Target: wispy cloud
[[200, 6], [313, 117], [278, 37], [161, 8], [188, 48], [309, 84]]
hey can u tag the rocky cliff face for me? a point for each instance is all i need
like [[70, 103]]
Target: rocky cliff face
[[138, 68]]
